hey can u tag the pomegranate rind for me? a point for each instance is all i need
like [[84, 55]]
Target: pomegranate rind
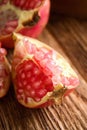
[[60, 89]]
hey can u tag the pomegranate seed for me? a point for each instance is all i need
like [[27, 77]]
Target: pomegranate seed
[[36, 71], [32, 93], [26, 5], [3, 2], [9, 29], [13, 23], [20, 85], [28, 87], [28, 75], [37, 85], [37, 99], [41, 93], [1, 83], [23, 76], [28, 67], [24, 82], [2, 52], [20, 91], [22, 3], [16, 2]]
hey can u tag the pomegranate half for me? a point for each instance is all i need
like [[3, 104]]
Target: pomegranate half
[[41, 76], [4, 72], [27, 17]]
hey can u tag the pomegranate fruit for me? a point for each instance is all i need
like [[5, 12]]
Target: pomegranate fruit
[[4, 73], [41, 76], [27, 17]]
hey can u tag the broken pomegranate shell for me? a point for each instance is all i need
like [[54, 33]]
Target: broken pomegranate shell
[[41, 76], [4, 73], [25, 17]]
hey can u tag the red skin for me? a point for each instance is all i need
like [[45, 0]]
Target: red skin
[[37, 29]]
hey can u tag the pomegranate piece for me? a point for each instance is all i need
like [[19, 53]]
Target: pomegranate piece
[[4, 73], [41, 75], [25, 17]]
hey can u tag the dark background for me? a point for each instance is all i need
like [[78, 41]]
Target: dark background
[[75, 8]]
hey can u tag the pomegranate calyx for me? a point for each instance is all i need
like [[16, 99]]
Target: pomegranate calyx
[[58, 94]]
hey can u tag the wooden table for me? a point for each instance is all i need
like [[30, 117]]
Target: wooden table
[[69, 37]]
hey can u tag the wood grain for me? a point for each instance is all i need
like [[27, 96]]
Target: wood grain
[[69, 37]]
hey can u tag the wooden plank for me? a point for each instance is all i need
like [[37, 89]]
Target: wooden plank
[[69, 38]]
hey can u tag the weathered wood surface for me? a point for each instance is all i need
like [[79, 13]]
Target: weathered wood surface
[[69, 37]]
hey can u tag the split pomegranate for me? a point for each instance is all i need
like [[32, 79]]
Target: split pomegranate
[[27, 17], [4, 73], [41, 76]]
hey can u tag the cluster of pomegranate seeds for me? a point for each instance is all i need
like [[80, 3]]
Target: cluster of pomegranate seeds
[[3, 75], [3, 2], [3, 52], [70, 81], [3, 71], [27, 4], [31, 81], [8, 21], [45, 58]]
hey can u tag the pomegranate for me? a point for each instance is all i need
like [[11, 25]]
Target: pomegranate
[[4, 73], [41, 76], [27, 17]]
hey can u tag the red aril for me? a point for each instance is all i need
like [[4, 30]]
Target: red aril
[[4, 73], [41, 76], [27, 17]]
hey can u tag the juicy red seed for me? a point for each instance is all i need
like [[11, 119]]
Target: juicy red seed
[[3, 2], [37, 85], [13, 23], [32, 80], [20, 85], [32, 93], [74, 81], [20, 91], [27, 4], [3, 51], [1, 84], [16, 2], [41, 93], [22, 2], [37, 99], [3, 72], [9, 29]]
